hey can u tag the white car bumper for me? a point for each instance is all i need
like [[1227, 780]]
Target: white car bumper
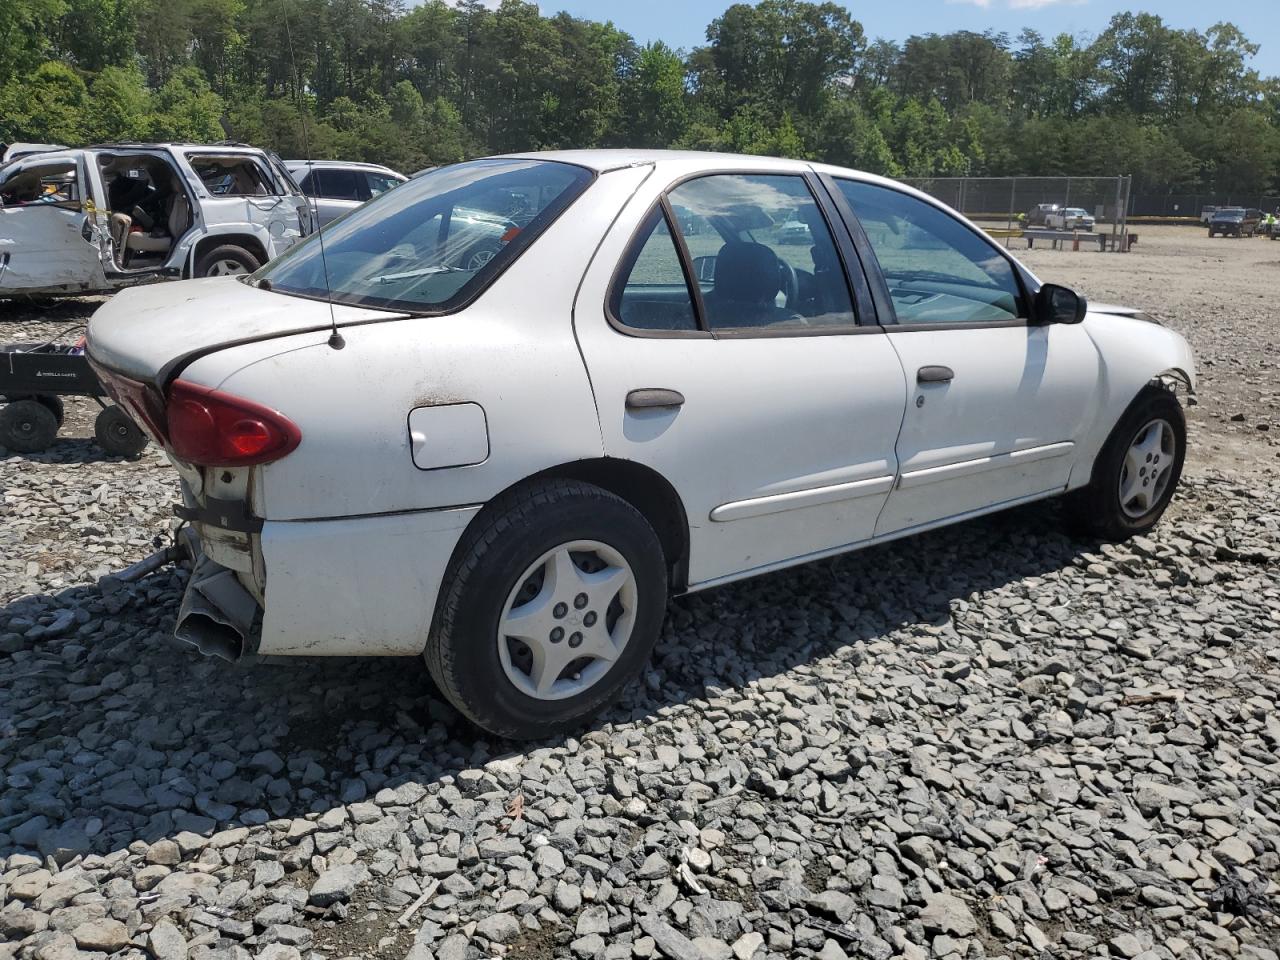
[[358, 586]]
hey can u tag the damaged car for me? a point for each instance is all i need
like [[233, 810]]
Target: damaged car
[[97, 219], [508, 466]]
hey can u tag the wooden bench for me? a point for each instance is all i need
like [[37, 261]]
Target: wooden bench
[[1056, 237]]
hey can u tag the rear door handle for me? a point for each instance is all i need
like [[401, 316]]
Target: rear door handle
[[654, 398], [935, 374]]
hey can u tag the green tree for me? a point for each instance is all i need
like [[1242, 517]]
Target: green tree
[[50, 105], [186, 109], [121, 106]]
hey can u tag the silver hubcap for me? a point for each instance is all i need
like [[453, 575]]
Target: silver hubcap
[[227, 268], [567, 620], [1144, 476]]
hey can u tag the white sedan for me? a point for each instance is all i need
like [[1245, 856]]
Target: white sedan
[[508, 467]]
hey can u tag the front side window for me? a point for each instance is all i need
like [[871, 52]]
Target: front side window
[[653, 293], [763, 255], [380, 182], [434, 242], [41, 185], [938, 270]]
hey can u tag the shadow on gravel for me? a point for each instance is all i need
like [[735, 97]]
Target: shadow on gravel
[[69, 450], [29, 309], [111, 733]]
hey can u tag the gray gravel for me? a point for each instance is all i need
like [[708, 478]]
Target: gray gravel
[[989, 741]]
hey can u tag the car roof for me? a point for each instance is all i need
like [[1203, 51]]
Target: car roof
[[352, 164]]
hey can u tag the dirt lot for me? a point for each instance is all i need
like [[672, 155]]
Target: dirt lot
[[993, 740], [1223, 295]]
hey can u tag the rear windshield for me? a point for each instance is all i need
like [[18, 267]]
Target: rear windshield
[[433, 243]]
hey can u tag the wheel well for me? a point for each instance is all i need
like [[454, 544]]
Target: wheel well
[[1178, 377], [646, 490], [245, 240]]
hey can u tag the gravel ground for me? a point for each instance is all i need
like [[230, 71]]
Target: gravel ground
[[988, 741]]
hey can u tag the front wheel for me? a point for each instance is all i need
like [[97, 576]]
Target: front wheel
[[1137, 470], [551, 605]]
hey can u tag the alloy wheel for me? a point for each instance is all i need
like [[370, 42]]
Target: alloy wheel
[[1147, 467]]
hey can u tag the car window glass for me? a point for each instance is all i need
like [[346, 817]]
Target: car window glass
[[938, 270], [762, 252], [41, 185], [433, 242], [232, 176], [653, 293], [333, 184], [379, 182]]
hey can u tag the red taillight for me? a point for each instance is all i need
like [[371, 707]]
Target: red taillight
[[216, 429]]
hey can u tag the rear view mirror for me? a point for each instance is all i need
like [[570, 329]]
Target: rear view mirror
[[1056, 304]]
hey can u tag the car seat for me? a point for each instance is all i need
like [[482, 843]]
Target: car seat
[[747, 280]]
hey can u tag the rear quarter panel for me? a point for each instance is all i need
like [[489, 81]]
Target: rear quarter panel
[[512, 352]]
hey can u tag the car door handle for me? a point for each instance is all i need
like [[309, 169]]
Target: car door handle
[[935, 374], [654, 398]]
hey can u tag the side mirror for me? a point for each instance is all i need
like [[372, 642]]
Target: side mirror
[[704, 269], [1055, 304]]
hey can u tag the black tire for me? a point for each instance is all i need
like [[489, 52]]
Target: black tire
[[49, 401], [228, 252], [117, 434], [462, 652], [1210, 234], [27, 426], [1096, 510]]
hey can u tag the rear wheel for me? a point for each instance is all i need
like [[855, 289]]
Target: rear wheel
[[552, 604], [117, 434], [27, 426], [1137, 471], [227, 260]]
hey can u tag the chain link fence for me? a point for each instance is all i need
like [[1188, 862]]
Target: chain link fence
[[1006, 206], [1191, 204]]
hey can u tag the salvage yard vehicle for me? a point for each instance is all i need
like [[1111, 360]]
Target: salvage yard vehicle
[[335, 187], [102, 218], [508, 468], [1234, 222], [1069, 218]]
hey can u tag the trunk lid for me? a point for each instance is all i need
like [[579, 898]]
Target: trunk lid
[[147, 333]]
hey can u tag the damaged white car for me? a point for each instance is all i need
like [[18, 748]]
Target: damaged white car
[[508, 466], [97, 219]]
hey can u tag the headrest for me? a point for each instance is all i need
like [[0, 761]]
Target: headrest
[[747, 272]]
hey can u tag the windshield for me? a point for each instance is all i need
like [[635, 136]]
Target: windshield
[[1231, 212], [434, 242]]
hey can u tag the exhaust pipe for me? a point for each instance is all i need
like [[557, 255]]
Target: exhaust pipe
[[218, 616]]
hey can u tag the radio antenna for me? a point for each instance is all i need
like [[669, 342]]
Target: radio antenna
[[335, 338]]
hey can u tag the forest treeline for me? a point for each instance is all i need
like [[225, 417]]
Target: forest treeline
[[380, 80]]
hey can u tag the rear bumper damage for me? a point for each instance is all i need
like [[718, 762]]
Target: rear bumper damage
[[355, 586], [218, 616]]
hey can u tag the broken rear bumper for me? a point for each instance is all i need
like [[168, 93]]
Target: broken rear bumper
[[355, 586]]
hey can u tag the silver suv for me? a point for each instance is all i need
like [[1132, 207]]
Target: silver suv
[[336, 186], [96, 219]]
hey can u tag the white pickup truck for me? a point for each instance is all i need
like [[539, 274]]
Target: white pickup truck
[[1069, 218], [93, 220]]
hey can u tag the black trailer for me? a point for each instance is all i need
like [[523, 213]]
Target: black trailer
[[34, 377]]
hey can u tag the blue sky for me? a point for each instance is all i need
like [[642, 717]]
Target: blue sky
[[682, 23]]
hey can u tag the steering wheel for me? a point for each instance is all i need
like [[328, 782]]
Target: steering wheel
[[790, 284]]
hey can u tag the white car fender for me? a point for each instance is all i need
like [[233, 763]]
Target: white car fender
[[1134, 351]]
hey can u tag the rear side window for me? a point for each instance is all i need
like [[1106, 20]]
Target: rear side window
[[233, 176], [41, 185], [433, 243], [332, 184], [653, 293], [938, 270]]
